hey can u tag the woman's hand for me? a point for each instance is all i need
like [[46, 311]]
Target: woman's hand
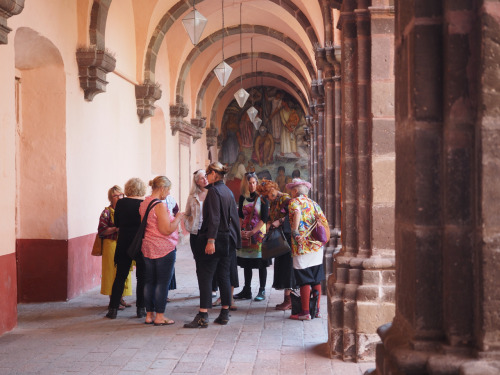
[[210, 248], [246, 233]]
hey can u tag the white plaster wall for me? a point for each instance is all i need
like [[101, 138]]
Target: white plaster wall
[[7, 150]]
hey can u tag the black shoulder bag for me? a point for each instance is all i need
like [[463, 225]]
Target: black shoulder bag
[[136, 244], [274, 243]]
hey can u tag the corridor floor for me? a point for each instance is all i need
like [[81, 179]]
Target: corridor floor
[[74, 337]]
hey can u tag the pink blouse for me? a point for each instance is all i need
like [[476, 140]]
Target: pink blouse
[[156, 245]]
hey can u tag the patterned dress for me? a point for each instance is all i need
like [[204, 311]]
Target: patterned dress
[[250, 255], [108, 254], [308, 256]]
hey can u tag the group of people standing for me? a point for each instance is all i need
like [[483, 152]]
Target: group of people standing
[[223, 235]]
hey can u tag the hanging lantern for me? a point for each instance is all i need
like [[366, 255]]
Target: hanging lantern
[[194, 23], [257, 123], [223, 71], [241, 97], [252, 113]]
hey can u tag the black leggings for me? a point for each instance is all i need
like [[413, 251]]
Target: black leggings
[[262, 276], [122, 270]]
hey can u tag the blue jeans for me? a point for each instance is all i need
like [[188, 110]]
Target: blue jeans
[[158, 275]]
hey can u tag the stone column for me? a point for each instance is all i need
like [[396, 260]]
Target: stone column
[[362, 290], [364, 124], [448, 205]]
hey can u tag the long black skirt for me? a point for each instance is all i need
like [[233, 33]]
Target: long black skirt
[[284, 276]]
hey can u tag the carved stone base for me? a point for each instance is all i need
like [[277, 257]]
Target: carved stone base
[[361, 295], [396, 355], [145, 97], [93, 65]]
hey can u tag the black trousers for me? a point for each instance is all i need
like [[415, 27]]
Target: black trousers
[[122, 270], [206, 268]]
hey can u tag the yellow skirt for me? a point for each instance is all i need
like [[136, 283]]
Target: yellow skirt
[[109, 270]]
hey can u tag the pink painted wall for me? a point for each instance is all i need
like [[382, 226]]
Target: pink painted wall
[[42, 200]]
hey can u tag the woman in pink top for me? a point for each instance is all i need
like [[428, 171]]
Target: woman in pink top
[[158, 248]]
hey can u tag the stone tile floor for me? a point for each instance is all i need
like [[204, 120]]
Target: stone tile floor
[[73, 337]]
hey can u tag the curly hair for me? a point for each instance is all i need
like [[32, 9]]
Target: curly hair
[[135, 187], [265, 187]]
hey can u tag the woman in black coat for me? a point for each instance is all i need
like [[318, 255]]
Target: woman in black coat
[[218, 236], [128, 219]]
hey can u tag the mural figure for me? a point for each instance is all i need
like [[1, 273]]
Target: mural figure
[[236, 174], [263, 148], [279, 144], [281, 179], [274, 117], [290, 120], [231, 141], [247, 131]]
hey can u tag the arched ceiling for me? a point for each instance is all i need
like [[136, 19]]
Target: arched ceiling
[[284, 32]]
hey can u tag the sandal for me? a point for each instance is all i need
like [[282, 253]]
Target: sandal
[[166, 322], [218, 302]]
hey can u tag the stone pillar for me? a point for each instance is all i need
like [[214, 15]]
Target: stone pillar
[[447, 213], [361, 292], [364, 124]]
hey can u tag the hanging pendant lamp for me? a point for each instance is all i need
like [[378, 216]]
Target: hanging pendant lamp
[[252, 112], [194, 23], [257, 122], [241, 95], [223, 70]]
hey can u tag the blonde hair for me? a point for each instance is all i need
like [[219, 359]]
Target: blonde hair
[[219, 169], [195, 189], [160, 182], [135, 187], [112, 191]]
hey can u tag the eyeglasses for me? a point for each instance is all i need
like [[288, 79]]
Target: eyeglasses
[[119, 196]]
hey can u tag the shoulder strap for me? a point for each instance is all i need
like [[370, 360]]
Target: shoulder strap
[[151, 205]]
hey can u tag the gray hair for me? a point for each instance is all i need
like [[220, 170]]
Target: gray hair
[[195, 189], [302, 189]]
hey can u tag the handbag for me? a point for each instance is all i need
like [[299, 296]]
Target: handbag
[[97, 247], [318, 233], [274, 244], [135, 246], [246, 242]]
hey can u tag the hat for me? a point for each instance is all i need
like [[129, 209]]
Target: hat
[[296, 182]]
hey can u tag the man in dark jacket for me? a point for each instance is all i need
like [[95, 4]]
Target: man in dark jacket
[[219, 234]]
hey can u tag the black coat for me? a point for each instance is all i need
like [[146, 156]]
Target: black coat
[[220, 214]]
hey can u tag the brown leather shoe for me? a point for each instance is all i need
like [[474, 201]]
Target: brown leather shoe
[[285, 305]]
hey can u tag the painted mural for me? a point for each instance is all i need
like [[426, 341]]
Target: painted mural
[[275, 149]]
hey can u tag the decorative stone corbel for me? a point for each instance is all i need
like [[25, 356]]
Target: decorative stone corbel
[[199, 124], [212, 133], [8, 8], [145, 97], [177, 123], [93, 65]]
